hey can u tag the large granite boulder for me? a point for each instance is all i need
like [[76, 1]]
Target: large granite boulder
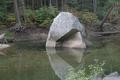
[[67, 30]]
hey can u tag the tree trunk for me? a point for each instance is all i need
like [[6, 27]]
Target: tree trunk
[[41, 3], [17, 12], [95, 6], [23, 11], [57, 4], [105, 18], [50, 3], [62, 5]]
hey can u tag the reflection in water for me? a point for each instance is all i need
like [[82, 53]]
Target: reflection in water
[[2, 54], [59, 65]]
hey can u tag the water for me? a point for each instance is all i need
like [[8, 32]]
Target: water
[[31, 61]]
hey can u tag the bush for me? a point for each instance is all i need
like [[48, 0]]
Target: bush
[[9, 35], [89, 73], [88, 17], [44, 16], [2, 18], [10, 19], [30, 16], [73, 3], [7, 19]]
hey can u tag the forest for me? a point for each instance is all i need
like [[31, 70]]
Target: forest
[[59, 39], [42, 12]]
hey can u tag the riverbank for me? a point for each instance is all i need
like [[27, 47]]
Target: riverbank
[[31, 34]]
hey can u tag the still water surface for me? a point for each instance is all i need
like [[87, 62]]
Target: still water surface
[[31, 61]]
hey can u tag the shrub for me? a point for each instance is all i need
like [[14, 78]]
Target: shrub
[[73, 3], [10, 18], [88, 73], [2, 17], [88, 17], [44, 16], [30, 16], [9, 35]]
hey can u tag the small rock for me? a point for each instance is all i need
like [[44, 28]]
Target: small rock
[[3, 46], [112, 76]]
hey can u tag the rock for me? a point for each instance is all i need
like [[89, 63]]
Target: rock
[[2, 36], [112, 76], [98, 78], [67, 30], [3, 46]]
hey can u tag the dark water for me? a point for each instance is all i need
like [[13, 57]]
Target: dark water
[[31, 61]]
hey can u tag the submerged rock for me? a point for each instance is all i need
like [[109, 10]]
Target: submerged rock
[[67, 30], [3, 46]]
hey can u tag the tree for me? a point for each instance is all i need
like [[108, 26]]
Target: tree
[[95, 6], [17, 13], [50, 3]]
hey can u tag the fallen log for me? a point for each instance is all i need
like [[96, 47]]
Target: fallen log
[[106, 33], [108, 14]]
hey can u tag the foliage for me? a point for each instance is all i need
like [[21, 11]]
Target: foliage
[[10, 18], [80, 4], [104, 5], [88, 73], [3, 9], [88, 17], [73, 3], [30, 15], [45, 15], [2, 18], [9, 35]]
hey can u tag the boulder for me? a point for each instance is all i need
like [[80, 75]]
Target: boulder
[[67, 30]]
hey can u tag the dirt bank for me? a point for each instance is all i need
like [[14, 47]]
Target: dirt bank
[[31, 34]]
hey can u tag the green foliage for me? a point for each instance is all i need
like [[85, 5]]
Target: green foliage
[[104, 5], [88, 73], [88, 17], [73, 3], [113, 1], [2, 17], [7, 19], [10, 18], [30, 15], [9, 35], [3, 8], [45, 15]]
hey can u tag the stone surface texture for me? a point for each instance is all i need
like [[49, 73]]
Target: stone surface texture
[[66, 29]]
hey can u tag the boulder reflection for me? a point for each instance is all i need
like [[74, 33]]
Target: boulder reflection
[[63, 59]]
